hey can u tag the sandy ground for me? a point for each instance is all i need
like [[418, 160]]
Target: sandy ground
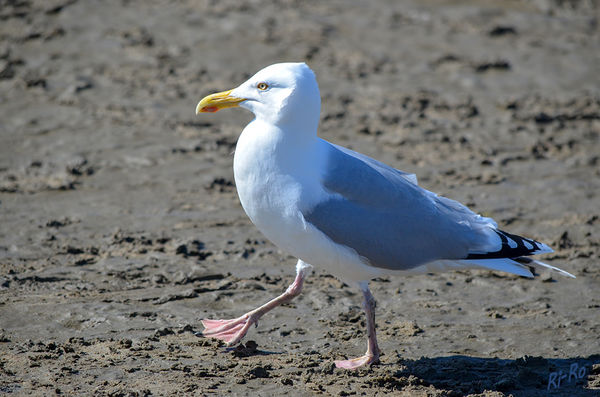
[[121, 227]]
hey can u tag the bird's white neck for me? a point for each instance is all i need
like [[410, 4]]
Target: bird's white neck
[[303, 122], [263, 145]]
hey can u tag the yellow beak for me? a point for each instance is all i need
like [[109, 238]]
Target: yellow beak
[[218, 101]]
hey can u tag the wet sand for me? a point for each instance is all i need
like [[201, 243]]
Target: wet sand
[[121, 227]]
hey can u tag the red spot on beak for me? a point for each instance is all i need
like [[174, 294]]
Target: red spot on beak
[[210, 109]]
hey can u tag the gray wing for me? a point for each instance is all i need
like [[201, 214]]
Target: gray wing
[[388, 219]]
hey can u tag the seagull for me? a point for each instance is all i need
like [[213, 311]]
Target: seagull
[[350, 214]]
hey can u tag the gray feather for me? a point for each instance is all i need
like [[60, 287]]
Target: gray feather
[[389, 220]]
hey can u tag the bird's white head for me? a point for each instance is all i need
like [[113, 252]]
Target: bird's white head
[[281, 94]]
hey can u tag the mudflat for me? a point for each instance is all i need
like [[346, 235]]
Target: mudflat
[[120, 226]]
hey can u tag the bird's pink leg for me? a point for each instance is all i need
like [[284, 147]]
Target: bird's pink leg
[[232, 331], [372, 354]]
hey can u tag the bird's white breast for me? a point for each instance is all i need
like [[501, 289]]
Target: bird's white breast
[[273, 179], [277, 177]]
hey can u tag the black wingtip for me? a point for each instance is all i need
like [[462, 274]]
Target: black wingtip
[[524, 246]]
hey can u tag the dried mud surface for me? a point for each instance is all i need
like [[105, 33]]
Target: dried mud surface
[[121, 227]]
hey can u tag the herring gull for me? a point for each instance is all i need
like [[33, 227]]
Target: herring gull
[[352, 215]]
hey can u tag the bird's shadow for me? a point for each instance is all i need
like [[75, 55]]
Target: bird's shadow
[[249, 349], [527, 376]]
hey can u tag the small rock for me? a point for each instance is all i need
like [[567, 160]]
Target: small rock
[[247, 350], [502, 31], [259, 372], [163, 332]]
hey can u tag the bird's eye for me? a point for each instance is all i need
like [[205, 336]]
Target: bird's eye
[[262, 86]]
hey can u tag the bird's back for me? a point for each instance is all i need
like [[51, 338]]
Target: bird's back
[[388, 219]]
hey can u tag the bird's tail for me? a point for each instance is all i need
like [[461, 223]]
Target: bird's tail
[[530, 262], [522, 266]]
